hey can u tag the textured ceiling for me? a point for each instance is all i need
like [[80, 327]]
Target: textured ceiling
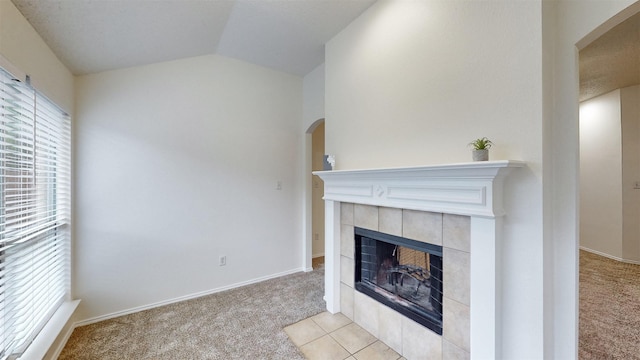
[[288, 35], [90, 36], [612, 61]]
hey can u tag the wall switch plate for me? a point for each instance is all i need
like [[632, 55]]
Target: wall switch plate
[[223, 260]]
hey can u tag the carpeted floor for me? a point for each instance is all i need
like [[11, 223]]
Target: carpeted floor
[[242, 323], [609, 308], [247, 323]]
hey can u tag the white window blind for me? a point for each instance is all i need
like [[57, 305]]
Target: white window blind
[[34, 213]]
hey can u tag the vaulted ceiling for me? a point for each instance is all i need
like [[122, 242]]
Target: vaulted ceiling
[[90, 36], [287, 35]]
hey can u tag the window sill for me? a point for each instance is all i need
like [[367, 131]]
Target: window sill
[[46, 338]]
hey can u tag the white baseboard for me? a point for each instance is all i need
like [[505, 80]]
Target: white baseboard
[[609, 256], [183, 298]]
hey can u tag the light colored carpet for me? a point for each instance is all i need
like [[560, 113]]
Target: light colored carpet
[[609, 308], [242, 323]]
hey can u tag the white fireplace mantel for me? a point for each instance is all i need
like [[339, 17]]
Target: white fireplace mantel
[[471, 189]]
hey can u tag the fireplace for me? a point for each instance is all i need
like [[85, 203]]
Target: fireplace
[[403, 274], [456, 206]]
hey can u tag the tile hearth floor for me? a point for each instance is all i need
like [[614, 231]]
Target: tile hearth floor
[[329, 336]]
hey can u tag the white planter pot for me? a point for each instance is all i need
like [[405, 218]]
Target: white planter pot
[[480, 155]]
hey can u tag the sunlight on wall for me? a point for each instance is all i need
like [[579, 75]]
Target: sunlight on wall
[[601, 175], [593, 118]]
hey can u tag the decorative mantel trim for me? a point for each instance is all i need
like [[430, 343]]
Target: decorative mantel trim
[[472, 189]]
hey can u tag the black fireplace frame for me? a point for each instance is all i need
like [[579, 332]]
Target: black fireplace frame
[[430, 319]]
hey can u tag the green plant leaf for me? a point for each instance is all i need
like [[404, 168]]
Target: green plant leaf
[[481, 143]]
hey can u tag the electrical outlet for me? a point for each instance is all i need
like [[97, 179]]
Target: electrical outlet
[[223, 260], [279, 185], [317, 237]]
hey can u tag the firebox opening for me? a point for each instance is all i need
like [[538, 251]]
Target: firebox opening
[[401, 273]]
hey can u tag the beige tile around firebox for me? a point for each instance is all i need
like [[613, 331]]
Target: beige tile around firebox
[[347, 242], [346, 300], [340, 339], [365, 312], [390, 327], [456, 275], [452, 352], [365, 216], [456, 320], [415, 340], [422, 226], [347, 266], [346, 213], [456, 232], [418, 342], [390, 221]]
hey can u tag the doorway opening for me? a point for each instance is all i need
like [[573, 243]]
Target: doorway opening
[[609, 206], [314, 203], [317, 193]]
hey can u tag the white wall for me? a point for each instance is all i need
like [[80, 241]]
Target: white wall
[[630, 115], [575, 24], [601, 174], [313, 97], [411, 83], [434, 75], [177, 164]]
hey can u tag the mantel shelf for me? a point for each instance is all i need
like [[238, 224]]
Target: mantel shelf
[[473, 189]]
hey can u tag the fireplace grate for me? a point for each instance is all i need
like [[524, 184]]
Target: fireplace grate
[[401, 273]]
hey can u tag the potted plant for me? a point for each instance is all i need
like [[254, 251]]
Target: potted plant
[[481, 148]]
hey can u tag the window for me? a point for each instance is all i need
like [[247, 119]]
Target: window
[[34, 213]]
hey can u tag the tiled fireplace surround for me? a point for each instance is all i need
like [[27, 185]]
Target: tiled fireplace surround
[[457, 206], [403, 335]]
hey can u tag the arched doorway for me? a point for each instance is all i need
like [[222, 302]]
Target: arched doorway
[[313, 224], [317, 193]]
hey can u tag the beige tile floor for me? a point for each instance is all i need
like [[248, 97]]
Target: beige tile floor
[[329, 336]]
